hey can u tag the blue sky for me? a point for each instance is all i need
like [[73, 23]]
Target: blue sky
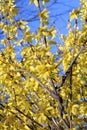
[[61, 10], [59, 13]]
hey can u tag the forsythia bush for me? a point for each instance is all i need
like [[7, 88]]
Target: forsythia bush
[[34, 95]]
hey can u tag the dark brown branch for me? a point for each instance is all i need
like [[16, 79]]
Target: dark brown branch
[[71, 97], [2, 105], [1, 115], [69, 71], [15, 116], [27, 116], [69, 68], [20, 119]]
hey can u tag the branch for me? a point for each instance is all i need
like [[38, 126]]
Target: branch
[[22, 121], [30, 74], [70, 66], [59, 99], [15, 116], [55, 123], [52, 93], [32, 120]]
